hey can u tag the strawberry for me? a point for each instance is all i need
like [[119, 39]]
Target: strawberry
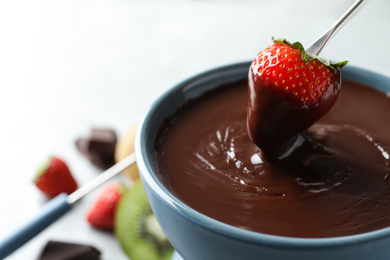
[[54, 177], [289, 90], [101, 214]]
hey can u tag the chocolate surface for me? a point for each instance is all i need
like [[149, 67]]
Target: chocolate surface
[[336, 183]]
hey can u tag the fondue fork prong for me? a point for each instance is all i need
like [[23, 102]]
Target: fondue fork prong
[[316, 47]]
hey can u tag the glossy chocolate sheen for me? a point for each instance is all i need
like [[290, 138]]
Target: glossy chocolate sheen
[[336, 183]]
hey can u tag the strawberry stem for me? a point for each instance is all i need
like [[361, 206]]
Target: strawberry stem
[[308, 56], [42, 168]]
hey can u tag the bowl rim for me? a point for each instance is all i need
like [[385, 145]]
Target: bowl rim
[[149, 178]]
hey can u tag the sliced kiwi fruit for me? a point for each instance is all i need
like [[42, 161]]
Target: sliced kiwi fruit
[[137, 229]]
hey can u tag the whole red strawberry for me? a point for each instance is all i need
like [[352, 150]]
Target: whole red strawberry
[[101, 214], [289, 90], [54, 177]]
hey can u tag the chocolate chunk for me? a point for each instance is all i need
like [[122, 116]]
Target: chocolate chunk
[[99, 147], [56, 250]]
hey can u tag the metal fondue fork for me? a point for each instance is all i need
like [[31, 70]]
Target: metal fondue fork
[[317, 46]]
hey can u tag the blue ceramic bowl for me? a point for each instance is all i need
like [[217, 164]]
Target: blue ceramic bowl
[[196, 236]]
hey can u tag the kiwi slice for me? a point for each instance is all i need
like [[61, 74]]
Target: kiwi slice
[[137, 229]]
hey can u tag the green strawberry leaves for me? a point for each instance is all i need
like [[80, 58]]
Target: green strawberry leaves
[[42, 168], [308, 56]]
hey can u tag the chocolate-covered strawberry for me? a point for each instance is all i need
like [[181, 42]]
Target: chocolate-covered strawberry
[[289, 90]]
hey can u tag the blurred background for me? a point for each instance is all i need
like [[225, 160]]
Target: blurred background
[[68, 66]]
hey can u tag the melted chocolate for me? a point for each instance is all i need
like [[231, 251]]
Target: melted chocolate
[[335, 183]]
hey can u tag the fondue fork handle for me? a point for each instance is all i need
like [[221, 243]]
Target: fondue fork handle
[[56, 208], [317, 46], [49, 213]]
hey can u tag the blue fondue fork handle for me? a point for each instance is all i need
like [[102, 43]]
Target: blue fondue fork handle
[[49, 213]]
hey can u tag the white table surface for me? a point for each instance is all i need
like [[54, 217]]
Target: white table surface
[[67, 66]]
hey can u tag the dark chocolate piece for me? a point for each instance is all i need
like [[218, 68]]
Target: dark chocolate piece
[[99, 147], [56, 250]]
